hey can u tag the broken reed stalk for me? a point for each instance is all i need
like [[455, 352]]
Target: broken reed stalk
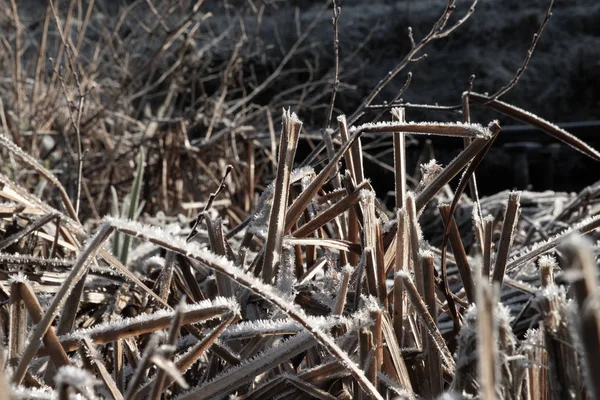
[[17, 329], [487, 251], [580, 259], [451, 170], [432, 359], [401, 264], [354, 161], [487, 339], [562, 361], [428, 321], [290, 132], [340, 299], [460, 255], [398, 115], [511, 217], [79, 268]]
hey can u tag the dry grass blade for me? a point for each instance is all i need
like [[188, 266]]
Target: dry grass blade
[[534, 120], [428, 321], [290, 133], [230, 380], [506, 238], [172, 335], [79, 268], [32, 162], [174, 244], [147, 323], [37, 224], [353, 157]]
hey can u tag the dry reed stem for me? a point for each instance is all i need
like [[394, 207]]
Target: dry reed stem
[[460, 255], [487, 341], [89, 355], [37, 224], [432, 358], [393, 347], [535, 121], [586, 227], [401, 264], [487, 251], [331, 213], [398, 115], [290, 132], [450, 171], [17, 333], [428, 321], [172, 335], [580, 259], [506, 238], [135, 326], [79, 268]]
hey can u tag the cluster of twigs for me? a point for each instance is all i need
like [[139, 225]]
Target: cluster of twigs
[[313, 290]]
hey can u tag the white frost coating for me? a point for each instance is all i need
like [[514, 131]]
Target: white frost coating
[[547, 261], [463, 129], [20, 392], [228, 303], [549, 244], [426, 253], [366, 195], [266, 291], [269, 326], [20, 278], [154, 261], [77, 378]]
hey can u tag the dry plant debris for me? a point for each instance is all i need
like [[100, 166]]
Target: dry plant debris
[[137, 262]]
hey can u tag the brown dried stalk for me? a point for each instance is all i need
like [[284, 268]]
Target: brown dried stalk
[[508, 231], [460, 255], [290, 133]]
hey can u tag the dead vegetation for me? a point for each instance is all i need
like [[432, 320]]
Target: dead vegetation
[[312, 289]]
